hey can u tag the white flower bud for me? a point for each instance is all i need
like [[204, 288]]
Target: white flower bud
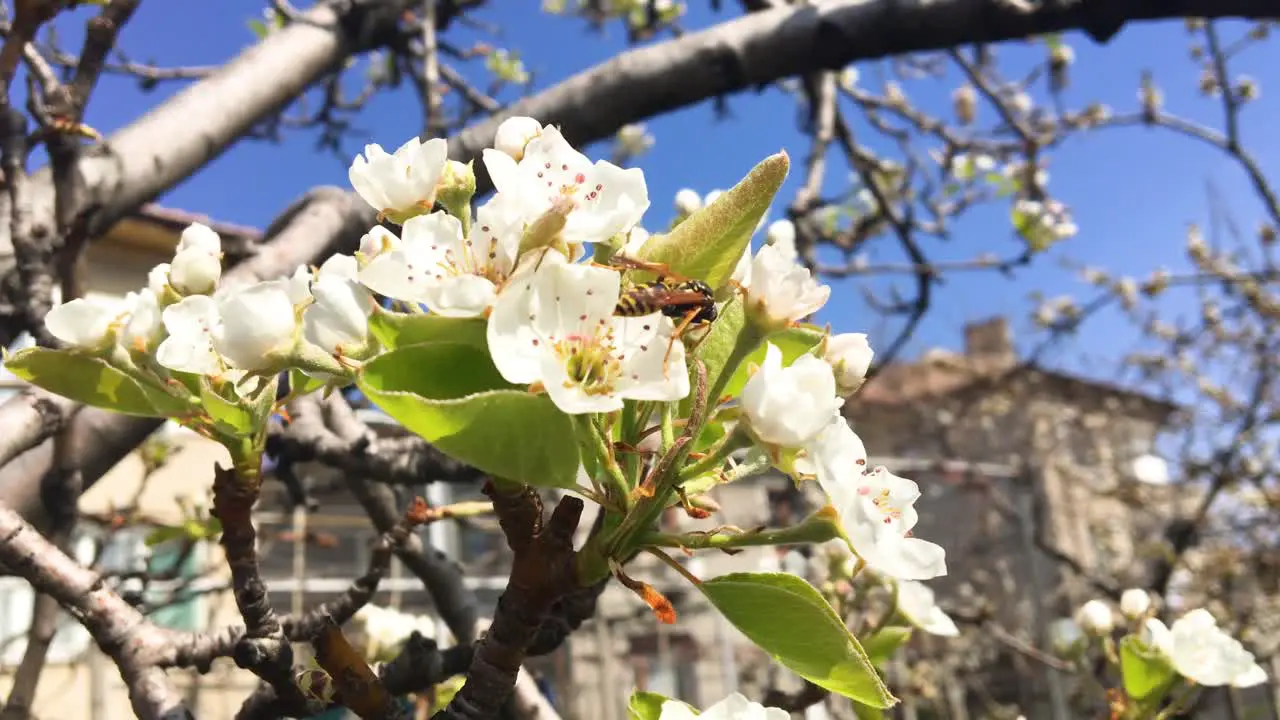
[[1134, 603], [199, 237], [257, 326], [514, 133], [688, 201], [158, 278], [195, 272], [1096, 618], [849, 355], [1065, 636], [788, 407]]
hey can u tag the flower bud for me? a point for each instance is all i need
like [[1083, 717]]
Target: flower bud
[[849, 355], [788, 407], [1134, 603], [195, 272], [1065, 637], [965, 102], [514, 133], [375, 242], [1096, 618], [158, 278], [258, 325], [688, 201], [199, 237], [456, 188]]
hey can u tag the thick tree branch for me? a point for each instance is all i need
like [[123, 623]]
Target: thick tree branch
[[117, 627], [542, 572]]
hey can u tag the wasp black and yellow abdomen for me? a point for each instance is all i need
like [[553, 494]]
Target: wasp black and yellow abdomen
[[642, 299]]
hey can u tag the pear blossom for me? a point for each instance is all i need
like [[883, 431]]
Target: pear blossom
[[688, 201], [376, 242], [144, 326], [199, 237], [782, 235], [1134, 603], [453, 275], [257, 325], [189, 346], [635, 241], [514, 134], [782, 291], [158, 279], [83, 323], [554, 325], [916, 603], [734, 707], [634, 139], [788, 407], [197, 262], [876, 509], [712, 197], [402, 184], [601, 200], [1065, 636], [849, 355], [1096, 617], [338, 321], [742, 271], [1201, 652], [385, 630]]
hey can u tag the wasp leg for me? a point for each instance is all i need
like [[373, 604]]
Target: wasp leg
[[675, 335]]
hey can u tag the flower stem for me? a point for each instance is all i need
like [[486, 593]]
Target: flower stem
[[619, 489], [726, 446], [814, 529]]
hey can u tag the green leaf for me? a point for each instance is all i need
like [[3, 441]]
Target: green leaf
[[708, 244], [1146, 672], [453, 396], [397, 330], [164, 534], [718, 348], [92, 381], [648, 706], [793, 342], [862, 712], [232, 415], [301, 383], [881, 646], [258, 28], [812, 641]]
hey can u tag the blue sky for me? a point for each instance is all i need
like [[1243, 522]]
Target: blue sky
[[1132, 190]]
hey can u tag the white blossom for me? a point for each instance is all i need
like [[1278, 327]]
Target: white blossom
[[1096, 617], [688, 201], [255, 325], [158, 278], [436, 265], [1201, 652], [199, 237], [635, 241], [197, 263], [782, 291], [849, 355], [403, 183], [514, 134], [385, 630], [734, 707], [555, 326], [788, 407], [144, 325], [189, 345], [1065, 636], [601, 200], [917, 603], [376, 242], [782, 235], [634, 139], [338, 321], [82, 323], [712, 197], [876, 509], [1134, 603]]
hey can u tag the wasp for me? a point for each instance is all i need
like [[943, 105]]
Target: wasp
[[691, 303]]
